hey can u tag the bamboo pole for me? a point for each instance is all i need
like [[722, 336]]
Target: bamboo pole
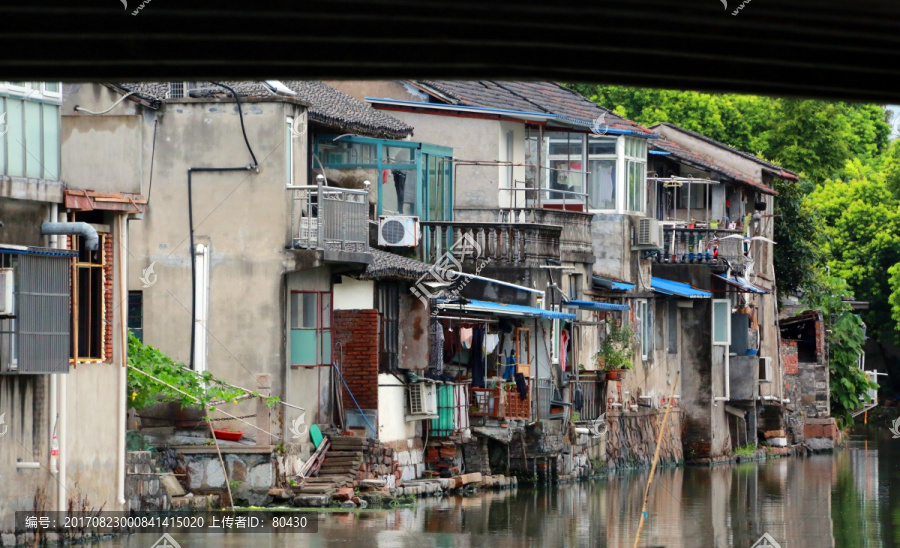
[[662, 430]]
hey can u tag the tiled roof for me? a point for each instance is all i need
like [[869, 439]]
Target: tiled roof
[[390, 266], [677, 151], [775, 170], [327, 105], [545, 97]]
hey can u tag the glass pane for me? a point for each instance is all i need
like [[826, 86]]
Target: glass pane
[[325, 352], [304, 350], [326, 310], [399, 155], [308, 302], [602, 189], [601, 146], [52, 87], [51, 141], [398, 192], [33, 141], [720, 322]]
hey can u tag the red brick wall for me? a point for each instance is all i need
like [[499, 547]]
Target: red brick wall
[[820, 341], [789, 357], [357, 331]]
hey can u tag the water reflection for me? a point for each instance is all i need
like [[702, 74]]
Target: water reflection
[[825, 500]]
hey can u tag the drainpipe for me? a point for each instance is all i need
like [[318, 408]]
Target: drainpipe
[[54, 393], [122, 229], [62, 403], [201, 314], [92, 240]]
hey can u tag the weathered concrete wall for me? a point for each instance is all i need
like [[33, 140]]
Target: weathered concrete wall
[[243, 216], [413, 336], [392, 406], [254, 474], [631, 441], [352, 294]]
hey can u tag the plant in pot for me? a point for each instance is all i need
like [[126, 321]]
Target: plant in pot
[[616, 351]]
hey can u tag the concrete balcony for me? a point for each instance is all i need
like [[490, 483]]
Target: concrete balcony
[[332, 221], [502, 243], [575, 242]]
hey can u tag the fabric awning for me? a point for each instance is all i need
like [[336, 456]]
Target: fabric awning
[[678, 289], [743, 284], [500, 309], [602, 282], [591, 305]]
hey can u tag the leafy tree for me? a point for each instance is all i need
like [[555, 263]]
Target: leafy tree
[[797, 254], [846, 336], [859, 224]]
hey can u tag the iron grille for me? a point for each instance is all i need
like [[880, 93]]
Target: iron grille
[[43, 329]]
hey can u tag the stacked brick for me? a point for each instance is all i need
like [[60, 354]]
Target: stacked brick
[[439, 456], [356, 331]]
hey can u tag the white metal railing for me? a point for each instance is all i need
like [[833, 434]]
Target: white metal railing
[[325, 217]]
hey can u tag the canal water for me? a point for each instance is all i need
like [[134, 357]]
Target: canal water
[[847, 499]]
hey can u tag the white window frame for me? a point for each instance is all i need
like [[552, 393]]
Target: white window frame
[[616, 156], [644, 315], [289, 150], [547, 159], [641, 160], [12, 88], [51, 94], [727, 303]]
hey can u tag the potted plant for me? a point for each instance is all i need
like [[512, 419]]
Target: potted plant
[[616, 351]]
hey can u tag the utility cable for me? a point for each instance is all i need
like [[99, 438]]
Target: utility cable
[[114, 105], [237, 99]]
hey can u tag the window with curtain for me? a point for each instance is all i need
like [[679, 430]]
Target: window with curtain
[[565, 159], [310, 328], [602, 177]]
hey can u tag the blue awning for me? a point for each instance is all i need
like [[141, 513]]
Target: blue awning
[[678, 289], [743, 284], [499, 309], [596, 306], [609, 284]]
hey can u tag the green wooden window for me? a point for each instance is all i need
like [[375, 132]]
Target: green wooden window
[[310, 328]]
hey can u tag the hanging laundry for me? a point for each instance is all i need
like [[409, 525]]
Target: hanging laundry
[[563, 343], [521, 386], [491, 341], [476, 357], [465, 337]]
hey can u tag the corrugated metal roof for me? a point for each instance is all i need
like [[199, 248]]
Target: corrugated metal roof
[[678, 289], [596, 306], [500, 309], [608, 283]]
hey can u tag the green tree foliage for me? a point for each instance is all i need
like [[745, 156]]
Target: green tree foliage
[[797, 253], [859, 229], [846, 336]]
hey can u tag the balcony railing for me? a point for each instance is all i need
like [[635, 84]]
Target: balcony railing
[[699, 245], [575, 243], [329, 218], [520, 244], [501, 402]]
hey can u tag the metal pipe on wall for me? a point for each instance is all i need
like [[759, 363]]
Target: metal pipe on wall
[[61, 422], [121, 256]]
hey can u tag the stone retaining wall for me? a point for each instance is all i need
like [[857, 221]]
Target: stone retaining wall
[[631, 440]]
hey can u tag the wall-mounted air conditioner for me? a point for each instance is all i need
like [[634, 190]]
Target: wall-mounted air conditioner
[[398, 231], [648, 234], [422, 401], [766, 374], [6, 292]]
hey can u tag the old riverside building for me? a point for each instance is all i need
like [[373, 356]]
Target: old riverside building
[[445, 284]]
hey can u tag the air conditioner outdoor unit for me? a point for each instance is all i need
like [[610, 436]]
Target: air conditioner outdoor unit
[[765, 370], [649, 234], [6, 292], [398, 231], [422, 401]]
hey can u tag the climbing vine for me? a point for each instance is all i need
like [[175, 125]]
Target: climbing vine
[[152, 376]]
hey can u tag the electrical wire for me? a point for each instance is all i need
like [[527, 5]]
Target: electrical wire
[[237, 99], [114, 105], [152, 156]]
